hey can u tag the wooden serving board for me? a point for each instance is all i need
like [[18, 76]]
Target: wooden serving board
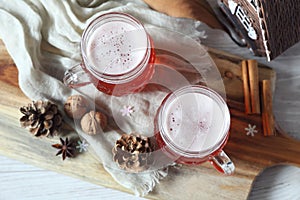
[[250, 154]]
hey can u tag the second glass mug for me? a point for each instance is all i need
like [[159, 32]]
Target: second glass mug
[[117, 56], [192, 127]]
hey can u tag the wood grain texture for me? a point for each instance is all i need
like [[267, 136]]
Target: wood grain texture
[[27, 182], [195, 9], [250, 154]]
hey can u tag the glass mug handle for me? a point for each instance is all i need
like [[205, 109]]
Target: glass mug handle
[[222, 163], [76, 77]]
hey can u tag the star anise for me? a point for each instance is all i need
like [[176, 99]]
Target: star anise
[[66, 148]]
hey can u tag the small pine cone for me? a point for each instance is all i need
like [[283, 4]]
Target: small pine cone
[[133, 153], [42, 118]]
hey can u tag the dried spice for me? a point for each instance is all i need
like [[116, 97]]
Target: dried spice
[[133, 152], [42, 118], [66, 148]]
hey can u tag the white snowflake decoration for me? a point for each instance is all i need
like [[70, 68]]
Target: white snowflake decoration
[[82, 146], [127, 111], [251, 130], [202, 34]]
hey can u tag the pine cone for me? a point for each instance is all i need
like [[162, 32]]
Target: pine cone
[[133, 153], [42, 118]]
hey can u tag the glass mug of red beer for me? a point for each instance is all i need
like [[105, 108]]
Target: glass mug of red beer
[[117, 56], [192, 127]]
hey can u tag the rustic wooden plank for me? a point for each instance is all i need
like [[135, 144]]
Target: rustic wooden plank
[[23, 181], [250, 154], [230, 69]]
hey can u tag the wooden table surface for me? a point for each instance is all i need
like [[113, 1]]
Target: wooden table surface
[[250, 154]]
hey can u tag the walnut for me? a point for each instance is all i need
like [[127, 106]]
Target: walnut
[[93, 122], [76, 106]]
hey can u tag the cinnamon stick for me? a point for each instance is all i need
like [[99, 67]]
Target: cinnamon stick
[[246, 87], [264, 123], [267, 110], [254, 86]]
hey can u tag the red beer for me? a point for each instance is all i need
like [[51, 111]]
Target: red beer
[[117, 53], [192, 127]]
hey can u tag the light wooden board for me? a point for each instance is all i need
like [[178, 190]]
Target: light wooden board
[[250, 154], [27, 182]]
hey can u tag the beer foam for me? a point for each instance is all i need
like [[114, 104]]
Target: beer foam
[[116, 47], [194, 122]]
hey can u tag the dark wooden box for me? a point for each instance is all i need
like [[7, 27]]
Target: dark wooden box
[[268, 26]]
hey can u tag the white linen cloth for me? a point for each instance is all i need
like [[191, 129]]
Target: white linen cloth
[[43, 37]]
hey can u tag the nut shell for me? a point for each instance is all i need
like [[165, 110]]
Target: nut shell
[[76, 106], [93, 122]]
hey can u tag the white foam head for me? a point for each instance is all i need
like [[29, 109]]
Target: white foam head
[[195, 121], [116, 47]]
